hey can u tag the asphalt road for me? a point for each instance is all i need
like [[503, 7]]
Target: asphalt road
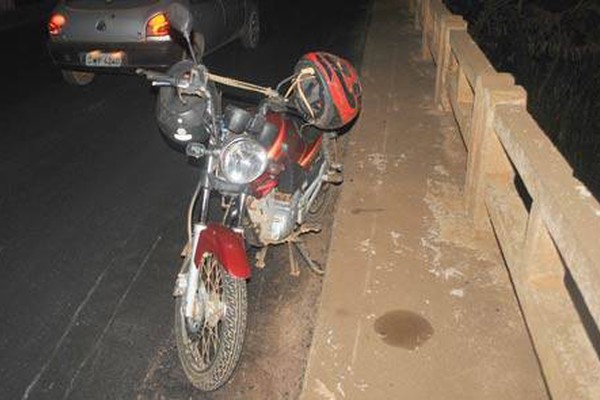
[[92, 205]]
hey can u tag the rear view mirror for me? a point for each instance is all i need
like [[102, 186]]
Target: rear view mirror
[[180, 19]]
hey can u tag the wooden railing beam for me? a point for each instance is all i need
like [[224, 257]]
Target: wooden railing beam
[[484, 156], [557, 237], [560, 339]]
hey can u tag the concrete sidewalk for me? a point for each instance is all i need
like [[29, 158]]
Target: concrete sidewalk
[[415, 304]]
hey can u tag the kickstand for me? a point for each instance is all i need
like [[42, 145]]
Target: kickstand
[[294, 270], [261, 254], [314, 266]]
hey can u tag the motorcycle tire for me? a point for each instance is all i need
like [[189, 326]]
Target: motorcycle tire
[[209, 356], [323, 204]]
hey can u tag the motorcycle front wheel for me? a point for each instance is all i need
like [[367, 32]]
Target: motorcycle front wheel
[[209, 346]]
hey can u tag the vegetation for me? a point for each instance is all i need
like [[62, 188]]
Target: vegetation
[[552, 47]]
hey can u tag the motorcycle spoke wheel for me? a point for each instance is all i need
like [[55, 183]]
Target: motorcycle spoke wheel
[[210, 352]]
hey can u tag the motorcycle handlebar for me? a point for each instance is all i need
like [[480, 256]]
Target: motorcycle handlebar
[[161, 79]]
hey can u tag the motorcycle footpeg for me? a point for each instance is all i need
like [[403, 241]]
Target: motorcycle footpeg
[[337, 167], [310, 228], [304, 229], [334, 177]]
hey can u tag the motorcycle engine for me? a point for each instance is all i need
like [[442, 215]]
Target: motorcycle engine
[[274, 216]]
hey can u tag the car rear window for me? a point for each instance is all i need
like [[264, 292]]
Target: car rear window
[[111, 4]]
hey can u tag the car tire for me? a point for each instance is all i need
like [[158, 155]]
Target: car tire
[[251, 33], [78, 78]]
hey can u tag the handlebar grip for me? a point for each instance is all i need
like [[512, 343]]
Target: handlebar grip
[[162, 84], [157, 78]]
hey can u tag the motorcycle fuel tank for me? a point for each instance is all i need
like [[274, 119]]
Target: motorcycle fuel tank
[[290, 144]]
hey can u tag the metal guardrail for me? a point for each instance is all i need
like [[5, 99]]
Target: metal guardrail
[[546, 222]]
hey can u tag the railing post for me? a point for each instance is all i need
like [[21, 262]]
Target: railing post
[[566, 355], [448, 24], [551, 249], [485, 156]]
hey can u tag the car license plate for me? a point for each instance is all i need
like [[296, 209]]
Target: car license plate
[[100, 59]]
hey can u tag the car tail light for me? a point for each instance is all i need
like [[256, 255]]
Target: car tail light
[[56, 23], [158, 26]]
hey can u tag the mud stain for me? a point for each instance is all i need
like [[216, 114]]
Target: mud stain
[[366, 210], [401, 328]]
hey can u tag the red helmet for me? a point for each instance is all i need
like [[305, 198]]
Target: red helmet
[[327, 91]]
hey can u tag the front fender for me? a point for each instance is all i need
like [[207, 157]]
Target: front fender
[[227, 246]]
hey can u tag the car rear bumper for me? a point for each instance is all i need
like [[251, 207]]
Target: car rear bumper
[[157, 55]]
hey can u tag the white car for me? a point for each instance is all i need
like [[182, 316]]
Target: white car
[[89, 36]]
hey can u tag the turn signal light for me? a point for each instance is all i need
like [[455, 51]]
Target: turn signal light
[[158, 26], [56, 23]]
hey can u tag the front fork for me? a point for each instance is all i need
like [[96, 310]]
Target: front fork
[[186, 285], [187, 279], [224, 242], [192, 278]]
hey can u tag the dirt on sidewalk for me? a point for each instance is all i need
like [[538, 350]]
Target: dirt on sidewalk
[[416, 304]]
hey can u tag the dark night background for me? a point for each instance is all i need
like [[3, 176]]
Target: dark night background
[[552, 47]]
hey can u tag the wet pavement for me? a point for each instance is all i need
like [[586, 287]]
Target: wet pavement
[[92, 206]]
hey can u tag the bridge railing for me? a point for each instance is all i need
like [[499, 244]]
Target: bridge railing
[[546, 222]]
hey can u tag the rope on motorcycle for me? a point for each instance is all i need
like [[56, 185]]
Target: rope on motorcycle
[[267, 91], [305, 73]]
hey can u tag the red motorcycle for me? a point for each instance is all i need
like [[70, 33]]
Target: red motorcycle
[[270, 171]]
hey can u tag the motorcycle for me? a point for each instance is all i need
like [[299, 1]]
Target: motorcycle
[[273, 172]]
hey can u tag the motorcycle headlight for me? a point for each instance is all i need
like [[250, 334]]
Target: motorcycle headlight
[[243, 160]]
